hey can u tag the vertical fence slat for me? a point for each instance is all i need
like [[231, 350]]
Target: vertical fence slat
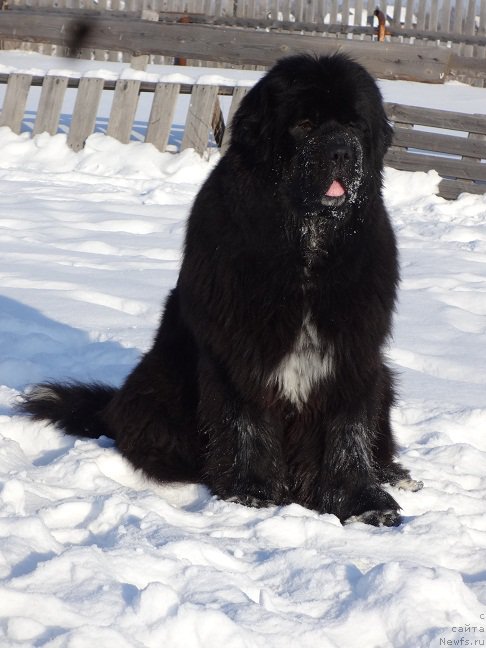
[[15, 99], [238, 94], [84, 114], [359, 19], [458, 22], [421, 14], [161, 114], [482, 19], [333, 12], [286, 10], [123, 109], [409, 14], [370, 7], [345, 12], [199, 118], [50, 104], [445, 16], [397, 13], [481, 51], [470, 26], [434, 16]]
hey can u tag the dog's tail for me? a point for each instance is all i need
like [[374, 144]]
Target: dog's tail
[[75, 407]]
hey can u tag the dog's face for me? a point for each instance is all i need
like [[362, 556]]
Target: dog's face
[[318, 125], [325, 169]]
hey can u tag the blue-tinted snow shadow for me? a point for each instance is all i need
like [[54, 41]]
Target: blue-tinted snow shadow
[[138, 133], [35, 348]]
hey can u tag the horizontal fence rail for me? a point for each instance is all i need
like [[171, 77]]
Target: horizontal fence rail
[[429, 20], [454, 144], [159, 35]]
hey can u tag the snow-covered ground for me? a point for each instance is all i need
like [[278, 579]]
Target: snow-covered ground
[[91, 554]]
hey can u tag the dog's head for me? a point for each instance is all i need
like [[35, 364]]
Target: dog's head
[[319, 125]]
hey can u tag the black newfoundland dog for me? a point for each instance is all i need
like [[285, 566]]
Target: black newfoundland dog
[[266, 379]]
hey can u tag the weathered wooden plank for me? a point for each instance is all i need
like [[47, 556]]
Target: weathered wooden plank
[[434, 16], [15, 99], [452, 168], [482, 19], [286, 10], [358, 12], [458, 14], [445, 16], [333, 11], [84, 114], [451, 189], [448, 144], [273, 10], [50, 104], [161, 114], [397, 10], [421, 15], [220, 44], [123, 109], [481, 51], [470, 26], [239, 93], [437, 118], [472, 70], [345, 12], [199, 118], [136, 41], [409, 14]]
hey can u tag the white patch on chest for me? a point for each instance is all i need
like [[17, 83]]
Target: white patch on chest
[[304, 367]]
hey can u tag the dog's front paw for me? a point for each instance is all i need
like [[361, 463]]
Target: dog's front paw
[[250, 500], [371, 505], [254, 495], [389, 518]]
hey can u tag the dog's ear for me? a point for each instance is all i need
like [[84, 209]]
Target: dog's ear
[[253, 122]]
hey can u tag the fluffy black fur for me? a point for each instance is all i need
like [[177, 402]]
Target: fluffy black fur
[[266, 379]]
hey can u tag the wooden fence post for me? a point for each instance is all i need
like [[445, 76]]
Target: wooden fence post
[[199, 117], [238, 94], [123, 109], [50, 104], [84, 114], [161, 114], [15, 99]]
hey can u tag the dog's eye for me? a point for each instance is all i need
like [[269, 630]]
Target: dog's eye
[[305, 125], [302, 128]]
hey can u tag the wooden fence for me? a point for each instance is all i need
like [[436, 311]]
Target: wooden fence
[[234, 46], [423, 19], [459, 23], [458, 153]]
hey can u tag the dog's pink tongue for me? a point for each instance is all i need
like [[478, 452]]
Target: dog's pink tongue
[[336, 189]]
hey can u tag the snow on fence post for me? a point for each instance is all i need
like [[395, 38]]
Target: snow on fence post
[[15, 99], [50, 104]]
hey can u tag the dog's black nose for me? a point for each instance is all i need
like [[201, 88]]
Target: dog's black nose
[[340, 152]]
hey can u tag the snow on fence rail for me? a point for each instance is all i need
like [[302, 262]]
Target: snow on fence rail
[[458, 153]]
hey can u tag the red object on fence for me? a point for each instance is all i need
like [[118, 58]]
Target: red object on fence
[[184, 20], [381, 24]]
